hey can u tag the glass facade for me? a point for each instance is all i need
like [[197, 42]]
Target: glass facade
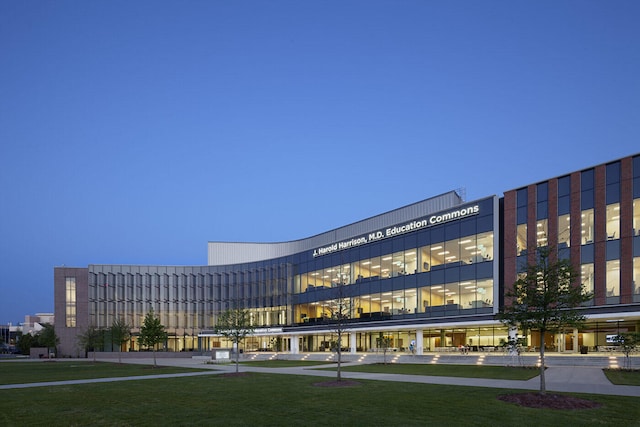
[[439, 270]]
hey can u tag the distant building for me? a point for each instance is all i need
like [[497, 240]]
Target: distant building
[[33, 323], [431, 273]]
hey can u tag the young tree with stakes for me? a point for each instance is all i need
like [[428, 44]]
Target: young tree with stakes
[[152, 333], [235, 325], [340, 313], [385, 344], [120, 334], [544, 299]]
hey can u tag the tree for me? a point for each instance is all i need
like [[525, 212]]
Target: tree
[[48, 338], [24, 342], [385, 344], [120, 334], [152, 333], [340, 313], [235, 325], [90, 340], [545, 298], [627, 343]]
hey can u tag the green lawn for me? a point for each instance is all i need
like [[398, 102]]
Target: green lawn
[[622, 377], [41, 371], [274, 400], [468, 371], [283, 363]]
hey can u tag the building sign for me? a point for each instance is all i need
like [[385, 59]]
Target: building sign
[[397, 230]]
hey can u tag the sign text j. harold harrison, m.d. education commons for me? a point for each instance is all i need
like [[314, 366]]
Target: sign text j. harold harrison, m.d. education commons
[[398, 229]]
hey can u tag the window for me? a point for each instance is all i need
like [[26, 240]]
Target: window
[[564, 186], [613, 183], [485, 246], [521, 198], [613, 221], [542, 232], [451, 251], [70, 298], [636, 279], [613, 281], [586, 276], [587, 226], [564, 231], [542, 200], [521, 206], [586, 195], [521, 239], [636, 217]]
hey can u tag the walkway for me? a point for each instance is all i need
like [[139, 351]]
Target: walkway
[[559, 378]]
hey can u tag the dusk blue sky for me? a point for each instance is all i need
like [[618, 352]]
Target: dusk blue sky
[[136, 132]]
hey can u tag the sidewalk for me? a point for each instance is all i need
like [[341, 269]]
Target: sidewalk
[[573, 379]]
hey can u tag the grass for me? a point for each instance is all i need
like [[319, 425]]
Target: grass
[[42, 371], [275, 400], [277, 363], [623, 376], [467, 371]]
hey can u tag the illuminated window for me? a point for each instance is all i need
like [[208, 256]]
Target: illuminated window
[[542, 232], [564, 231], [586, 277], [636, 217], [636, 279], [521, 238], [613, 279], [613, 221], [587, 226], [70, 312]]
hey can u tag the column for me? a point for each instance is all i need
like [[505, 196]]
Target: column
[[294, 344], [419, 343], [575, 341], [352, 342]]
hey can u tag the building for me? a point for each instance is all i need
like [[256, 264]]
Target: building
[[430, 275], [33, 322], [591, 217]]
